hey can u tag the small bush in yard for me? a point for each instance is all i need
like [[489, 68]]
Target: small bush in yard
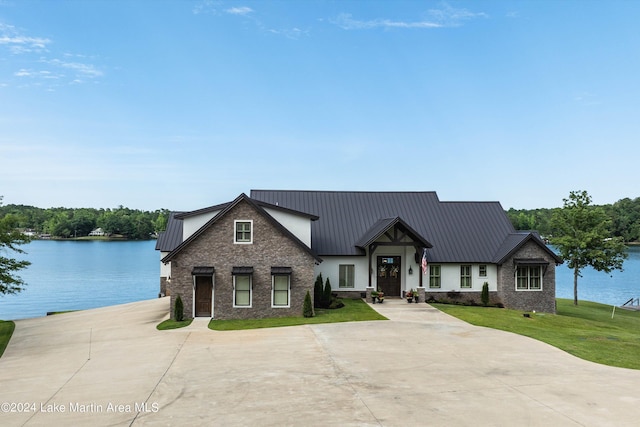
[[307, 308], [179, 310]]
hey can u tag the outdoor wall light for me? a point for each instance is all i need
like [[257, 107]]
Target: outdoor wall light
[[410, 270]]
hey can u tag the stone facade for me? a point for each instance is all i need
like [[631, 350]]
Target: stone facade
[[215, 247], [543, 300]]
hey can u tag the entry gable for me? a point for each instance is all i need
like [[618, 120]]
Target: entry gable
[[383, 226]]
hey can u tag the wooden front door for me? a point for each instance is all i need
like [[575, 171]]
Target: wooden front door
[[388, 273], [204, 287]]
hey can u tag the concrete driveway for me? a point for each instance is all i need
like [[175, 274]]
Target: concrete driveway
[[110, 366]]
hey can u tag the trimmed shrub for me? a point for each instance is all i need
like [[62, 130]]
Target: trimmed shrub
[[485, 294], [317, 292], [307, 308], [326, 295], [178, 312]]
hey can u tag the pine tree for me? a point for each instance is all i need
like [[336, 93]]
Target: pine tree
[[317, 292], [484, 296], [179, 310], [307, 308], [326, 295]]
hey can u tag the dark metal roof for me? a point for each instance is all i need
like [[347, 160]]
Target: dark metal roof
[[172, 236], [515, 241], [203, 271], [242, 270], [458, 231]]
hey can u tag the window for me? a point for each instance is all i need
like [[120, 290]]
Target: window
[[280, 297], [483, 270], [242, 290], [434, 277], [243, 232], [465, 276], [528, 278], [346, 277]]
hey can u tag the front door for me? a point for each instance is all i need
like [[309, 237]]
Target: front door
[[389, 275], [204, 288]]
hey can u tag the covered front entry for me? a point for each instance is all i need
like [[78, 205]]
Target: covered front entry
[[203, 296], [389, 275]]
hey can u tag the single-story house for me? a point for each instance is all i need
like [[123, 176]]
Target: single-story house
[[258, 255]]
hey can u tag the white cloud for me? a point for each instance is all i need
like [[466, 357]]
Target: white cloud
[[243, 10], [81, 69], [445, 16], [19, 43]]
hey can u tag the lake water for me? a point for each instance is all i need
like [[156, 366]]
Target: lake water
[[76, 275], [615, 288]]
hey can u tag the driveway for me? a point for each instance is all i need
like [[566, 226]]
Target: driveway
[[110, 366]]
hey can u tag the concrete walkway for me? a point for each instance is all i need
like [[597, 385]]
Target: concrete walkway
[[110, 366]]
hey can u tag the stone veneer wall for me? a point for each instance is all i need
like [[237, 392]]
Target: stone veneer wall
[[544, 300], [270, 248]]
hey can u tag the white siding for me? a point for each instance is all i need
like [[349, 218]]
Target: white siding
[[194, 223], [450, 278], [300, 226], [165, 269]]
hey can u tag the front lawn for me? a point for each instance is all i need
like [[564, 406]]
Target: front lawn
[[173, 324], [6, 330], [353, 311], [586, 331]]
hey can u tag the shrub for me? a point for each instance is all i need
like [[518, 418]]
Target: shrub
[[317, 292], [307, 308], [326, 295], [178, 312], [485, 294], [336, 303]]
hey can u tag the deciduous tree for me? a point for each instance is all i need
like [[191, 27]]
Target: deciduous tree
[[583, 237], [10, 239]]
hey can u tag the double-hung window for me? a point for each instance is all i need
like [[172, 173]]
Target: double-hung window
[[528, 278], [465, 276], [281, 290], [346, 276], [434, 277], [242, 290], [243, 231]]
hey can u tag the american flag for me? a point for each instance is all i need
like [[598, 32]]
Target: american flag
[[424, 261]]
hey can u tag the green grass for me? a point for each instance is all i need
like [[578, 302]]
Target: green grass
[[6, 330], [353, 311], [586, 331], [173, 324]]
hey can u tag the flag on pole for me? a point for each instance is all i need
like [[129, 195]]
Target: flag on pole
[[424, 261]]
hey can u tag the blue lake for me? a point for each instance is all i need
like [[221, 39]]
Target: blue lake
[[76, 275]]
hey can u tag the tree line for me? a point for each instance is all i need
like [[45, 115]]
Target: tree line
[[623, 217], [69, 222]]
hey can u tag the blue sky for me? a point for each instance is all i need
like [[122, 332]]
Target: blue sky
[[186, 104]]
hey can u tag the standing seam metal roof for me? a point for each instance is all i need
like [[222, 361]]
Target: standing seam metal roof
[[458, 231]]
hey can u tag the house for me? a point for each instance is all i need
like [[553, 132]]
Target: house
[[258, 255], [97, 232]]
